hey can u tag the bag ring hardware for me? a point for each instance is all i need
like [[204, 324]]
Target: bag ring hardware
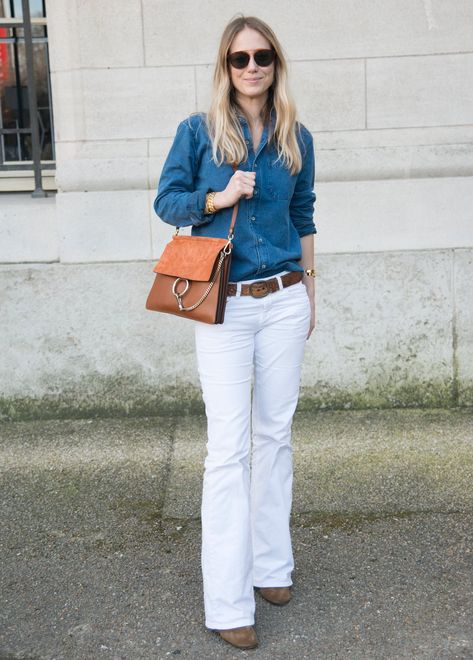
[[178, 294]]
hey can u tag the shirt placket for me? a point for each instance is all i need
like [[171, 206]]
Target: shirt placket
[[254, 163]]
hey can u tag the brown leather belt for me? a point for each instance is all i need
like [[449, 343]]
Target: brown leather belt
[[261, 288]]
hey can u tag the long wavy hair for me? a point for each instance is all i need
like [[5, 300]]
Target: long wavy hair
[[223, 125]]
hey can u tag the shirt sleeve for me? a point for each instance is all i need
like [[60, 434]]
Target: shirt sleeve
[[177, 202], [301, 207]]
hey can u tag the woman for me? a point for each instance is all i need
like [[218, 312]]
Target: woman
[[246, 540]]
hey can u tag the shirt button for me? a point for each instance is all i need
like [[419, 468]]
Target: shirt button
[[253, 218], [255, 193], [263, 265], [247, 141], [260, 240]]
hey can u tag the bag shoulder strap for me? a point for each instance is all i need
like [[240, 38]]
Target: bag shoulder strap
[[235, 212]]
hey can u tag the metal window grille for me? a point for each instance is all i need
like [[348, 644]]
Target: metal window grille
[[26, 119]]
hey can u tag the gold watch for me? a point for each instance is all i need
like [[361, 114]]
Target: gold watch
[[209, 203], [310, 272]]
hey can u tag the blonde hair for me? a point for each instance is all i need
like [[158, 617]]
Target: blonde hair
[[223, 125]]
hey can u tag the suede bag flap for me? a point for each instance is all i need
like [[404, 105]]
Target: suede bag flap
[[190, 257]]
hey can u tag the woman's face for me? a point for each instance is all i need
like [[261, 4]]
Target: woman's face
[[253, 81]]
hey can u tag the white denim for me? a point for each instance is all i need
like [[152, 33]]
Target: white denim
[[246, 538]]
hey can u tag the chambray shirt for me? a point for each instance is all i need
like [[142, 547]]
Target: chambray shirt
[[268, 226]]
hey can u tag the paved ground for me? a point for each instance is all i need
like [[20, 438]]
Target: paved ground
[[100, 540]]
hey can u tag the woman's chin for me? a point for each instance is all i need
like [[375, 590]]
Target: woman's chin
[[253, 92]]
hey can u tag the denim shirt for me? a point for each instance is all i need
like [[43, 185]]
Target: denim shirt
[[269, 226]]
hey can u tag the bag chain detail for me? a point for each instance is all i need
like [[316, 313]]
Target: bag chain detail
[[209, 288]]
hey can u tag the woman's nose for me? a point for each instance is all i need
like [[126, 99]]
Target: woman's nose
[[252, 64]]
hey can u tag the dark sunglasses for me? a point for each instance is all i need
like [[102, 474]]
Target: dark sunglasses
[[263, 57]]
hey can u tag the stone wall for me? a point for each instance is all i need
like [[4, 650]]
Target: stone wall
[[387, 93]]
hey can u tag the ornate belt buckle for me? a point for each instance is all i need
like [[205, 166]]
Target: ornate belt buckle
[[259, 289]]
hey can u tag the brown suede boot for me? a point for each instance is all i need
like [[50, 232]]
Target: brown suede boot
[[276, 595], [243, 637]]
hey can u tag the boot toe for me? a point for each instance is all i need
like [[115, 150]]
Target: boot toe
[[243, 637], [276, 595]]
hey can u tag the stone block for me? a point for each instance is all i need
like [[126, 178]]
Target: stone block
[[327, 29], [422, 152], [384, 332], [316, 30], [28, 229], [113, 33], [90, 34], [141, 103], [92, 345], [68, 103], [360, 216], [104, 226], [329, 95], [196, 39], [102, 165], [102, 149], [395, 137], [400, 162], [420, 91], [95, 174], [64, 44]]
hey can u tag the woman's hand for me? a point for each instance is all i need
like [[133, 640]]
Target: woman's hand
[[240, 185], [309, 283]]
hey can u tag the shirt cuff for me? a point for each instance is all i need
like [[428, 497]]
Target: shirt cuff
[[196, 207], [307, 231]]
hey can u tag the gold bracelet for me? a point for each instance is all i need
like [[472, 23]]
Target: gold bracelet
[[209, 203], [311, 272]]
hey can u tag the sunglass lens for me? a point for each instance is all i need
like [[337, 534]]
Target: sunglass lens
[[264, 57], [239, 60]]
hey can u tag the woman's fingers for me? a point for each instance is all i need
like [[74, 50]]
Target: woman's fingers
[[241, 175], [312, 325], [240, 185], [244, 183]]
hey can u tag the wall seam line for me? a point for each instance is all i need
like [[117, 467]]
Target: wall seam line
[[455, 383], [314, 131], [353, 58], [143, 41]]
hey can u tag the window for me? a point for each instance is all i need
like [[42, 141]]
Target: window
[[26, 131]]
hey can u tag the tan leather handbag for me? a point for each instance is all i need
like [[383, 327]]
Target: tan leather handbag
[[192, 276]]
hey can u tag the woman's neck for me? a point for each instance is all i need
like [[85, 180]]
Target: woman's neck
[[252, 108]]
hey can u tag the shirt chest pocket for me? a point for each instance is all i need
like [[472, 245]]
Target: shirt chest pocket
[[280, 182]]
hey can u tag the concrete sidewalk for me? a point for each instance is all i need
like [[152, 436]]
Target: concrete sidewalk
[[100, 540]]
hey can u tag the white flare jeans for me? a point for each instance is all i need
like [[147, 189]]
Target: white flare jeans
[[246, 539]]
